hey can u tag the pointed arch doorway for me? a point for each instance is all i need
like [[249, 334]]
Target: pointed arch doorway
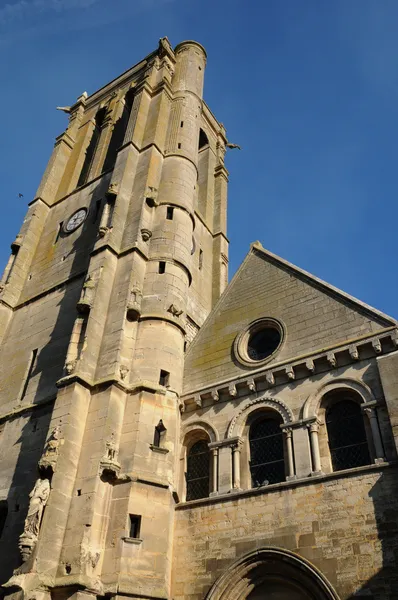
[[272, 574]]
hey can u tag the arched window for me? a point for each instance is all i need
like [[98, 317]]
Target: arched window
[[198, 471], [347, 436], [267, 462], [92, 147]]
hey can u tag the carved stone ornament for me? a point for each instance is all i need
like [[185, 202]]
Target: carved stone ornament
[[134, 303], [232, 391], [38, 500], [290, 373], [215, 395], [49, 457], [270, 378], [17, 243], [176, 311], [251, 384], [353, 350], [310, 365], [394, 337], [376, 346], [113, 189], [109, 465], [70, 366], [331, 358], [146, 234], [103, 230], [123, 370]]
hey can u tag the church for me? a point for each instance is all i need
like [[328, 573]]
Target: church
[[165, 435]]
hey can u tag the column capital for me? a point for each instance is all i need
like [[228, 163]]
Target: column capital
[[226, 442]]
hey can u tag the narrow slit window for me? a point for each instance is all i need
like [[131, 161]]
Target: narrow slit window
[[32, 364], [134, 526], [179, 145], [170, 213], [59, 232], [200, 259], [96, 211], [182, 124], [160, 430], [164, 378], [162, 267]]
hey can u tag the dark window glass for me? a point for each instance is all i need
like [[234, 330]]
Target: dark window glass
[[263, 343], [92, 147], [347, 437], [198, 471], [267, 463]]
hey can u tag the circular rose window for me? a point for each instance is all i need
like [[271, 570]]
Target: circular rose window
[[258, 342]]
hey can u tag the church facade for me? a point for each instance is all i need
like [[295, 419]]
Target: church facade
[[165, 434]]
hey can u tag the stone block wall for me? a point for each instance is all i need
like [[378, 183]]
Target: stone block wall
[[346, 526]]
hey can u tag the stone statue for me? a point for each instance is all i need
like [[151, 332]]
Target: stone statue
[[87, 295], [50, 454], [38, 500]]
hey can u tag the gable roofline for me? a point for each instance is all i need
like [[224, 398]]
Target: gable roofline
[[331, 290]]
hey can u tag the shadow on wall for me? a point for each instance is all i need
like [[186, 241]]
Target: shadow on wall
[[49, 367], [381, 543]]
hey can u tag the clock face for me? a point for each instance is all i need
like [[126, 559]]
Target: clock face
[[75, 220]]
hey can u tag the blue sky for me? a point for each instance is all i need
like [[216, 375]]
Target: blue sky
[[308, 88]]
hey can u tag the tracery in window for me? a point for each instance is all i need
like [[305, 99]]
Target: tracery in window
[[348, 443], [267, 462], [198, 471]]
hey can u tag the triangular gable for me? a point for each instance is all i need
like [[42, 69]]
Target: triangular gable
[[315, 315]]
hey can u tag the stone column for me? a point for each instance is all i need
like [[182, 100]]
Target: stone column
[[236, 449], [314, 442], [288, 432], [371, 413], [214, 452]]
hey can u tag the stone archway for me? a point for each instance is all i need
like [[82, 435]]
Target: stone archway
[[272, 574]]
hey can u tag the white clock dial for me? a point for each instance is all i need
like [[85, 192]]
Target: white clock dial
[[75, 220]]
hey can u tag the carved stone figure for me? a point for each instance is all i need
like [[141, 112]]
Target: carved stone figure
[[123, 370], [134, 302], [50, 454], [70, 366], [38, 500], [109, 465], [87, 295], [175, 310]]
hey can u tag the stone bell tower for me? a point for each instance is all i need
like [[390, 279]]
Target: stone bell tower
[[121, 257]]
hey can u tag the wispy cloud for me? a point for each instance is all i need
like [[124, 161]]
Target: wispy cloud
[[27, 19], [26, 9]]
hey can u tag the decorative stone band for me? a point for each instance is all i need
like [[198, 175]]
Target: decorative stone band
[[299, 367]]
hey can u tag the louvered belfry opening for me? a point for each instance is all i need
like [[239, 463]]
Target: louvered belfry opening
[[347, 436], [198, 471], [267, 462]]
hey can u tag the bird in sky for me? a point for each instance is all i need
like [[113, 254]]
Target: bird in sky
[[20, 195]]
